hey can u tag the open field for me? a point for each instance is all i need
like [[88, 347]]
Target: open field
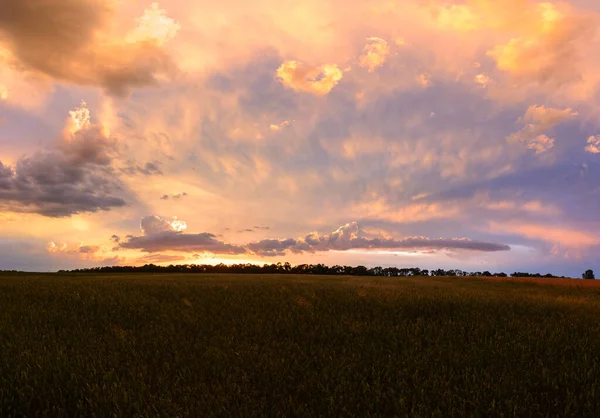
[[235, 345]]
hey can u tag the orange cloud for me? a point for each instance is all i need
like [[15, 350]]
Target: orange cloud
[[482, 79], [72, 41], [537, 120], [593, 144], [302, 77], [552, 234], [375, 55], [382, 210], [154, 25], [546, 47]]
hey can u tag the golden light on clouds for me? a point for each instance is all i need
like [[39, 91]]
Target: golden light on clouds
[[278, 127], [593, 144], [457, 17], [482, 79], [424, 79], [154, 25], [537, 120], [541, 143], [78, 118], [226, 109], [303, 77], [375, 54]]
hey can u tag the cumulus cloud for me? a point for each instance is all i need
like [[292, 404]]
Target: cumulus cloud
[[375, 54], [76, 177], [161, 236], [154, 24], [71, 40], [152, 225], [349, 237], [538, 120], [593, 144], [176, 241], [305, 78], [50, 184]]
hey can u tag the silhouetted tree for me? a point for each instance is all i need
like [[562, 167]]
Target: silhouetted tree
[[589, 274]]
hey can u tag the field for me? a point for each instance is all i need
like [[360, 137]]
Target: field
[[235, 345]]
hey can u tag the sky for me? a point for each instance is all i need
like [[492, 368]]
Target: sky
[[438, 134]]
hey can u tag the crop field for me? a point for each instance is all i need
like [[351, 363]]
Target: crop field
[[250, 345]]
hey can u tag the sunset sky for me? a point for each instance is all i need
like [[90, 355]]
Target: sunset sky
[[428, 133]]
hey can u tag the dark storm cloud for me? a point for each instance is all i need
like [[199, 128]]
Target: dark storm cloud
[[74, 178]]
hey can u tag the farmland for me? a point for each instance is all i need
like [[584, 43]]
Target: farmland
[[286, 345]]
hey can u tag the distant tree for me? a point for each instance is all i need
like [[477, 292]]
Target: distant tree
[[589, 274]]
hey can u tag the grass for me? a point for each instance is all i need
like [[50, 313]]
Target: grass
[[233, 345]]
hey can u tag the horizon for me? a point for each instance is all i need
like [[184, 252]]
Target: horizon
[[454, 136], [425, 272]]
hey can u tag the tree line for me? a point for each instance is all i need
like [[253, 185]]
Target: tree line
[[321, 269]]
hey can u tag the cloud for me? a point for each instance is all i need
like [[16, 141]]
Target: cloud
[[151, 168], [89, 249], [155, 259], [546, 48], [276, 128], [51, 185], [424, 79], [177, 241], [593, 144], [375, 54], [76, 177], [155, 25], [348, 237], [537, 120], [152, 225], [482, 79], [563, 235], [72, 41], [161, 234], [302, 77], [173, 196], [163, 237], [541, 144], [79, 252]]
